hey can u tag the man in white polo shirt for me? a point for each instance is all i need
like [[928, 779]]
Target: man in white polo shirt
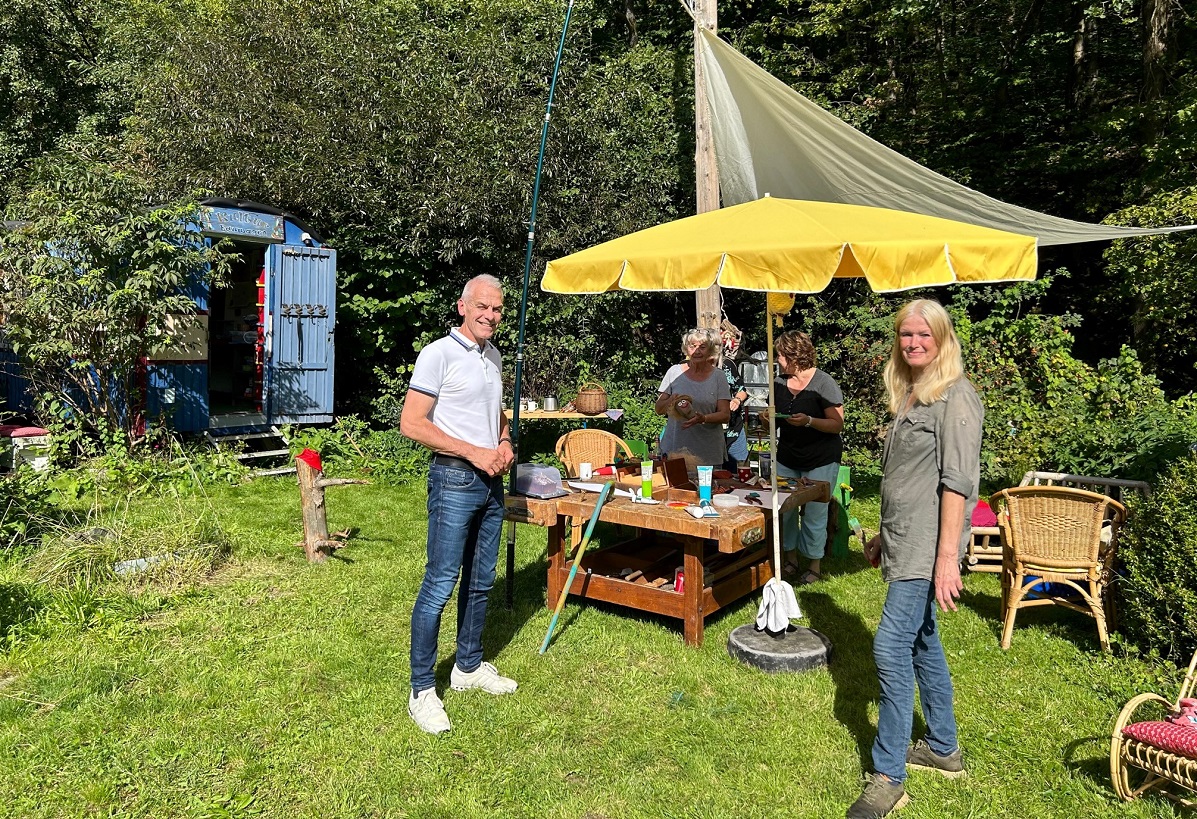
[[455, 408]]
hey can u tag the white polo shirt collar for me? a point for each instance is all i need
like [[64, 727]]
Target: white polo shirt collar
[[457, 335]]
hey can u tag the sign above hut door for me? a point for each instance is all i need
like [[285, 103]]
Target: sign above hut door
[[302, 292]]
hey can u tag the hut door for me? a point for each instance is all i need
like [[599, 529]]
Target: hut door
[[302, 297]]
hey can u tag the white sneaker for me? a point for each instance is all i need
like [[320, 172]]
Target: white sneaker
[[428, 712], [486, 677]]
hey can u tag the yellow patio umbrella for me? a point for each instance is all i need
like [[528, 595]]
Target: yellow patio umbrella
[[795, 246]]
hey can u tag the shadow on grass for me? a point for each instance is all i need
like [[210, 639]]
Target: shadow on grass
[[1067, 624], [851, 667], [986, 606], [502, 624], [854, 563], [1090, 757]]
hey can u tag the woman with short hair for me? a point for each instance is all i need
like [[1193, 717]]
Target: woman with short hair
[[697, 402]]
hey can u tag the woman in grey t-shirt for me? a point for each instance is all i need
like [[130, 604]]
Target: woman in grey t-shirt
[[695, 431]]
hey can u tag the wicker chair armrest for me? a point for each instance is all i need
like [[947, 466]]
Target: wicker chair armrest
[[1128, 710]]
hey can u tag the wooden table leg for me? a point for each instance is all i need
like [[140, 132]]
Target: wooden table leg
[[693, 592], [556, 550]]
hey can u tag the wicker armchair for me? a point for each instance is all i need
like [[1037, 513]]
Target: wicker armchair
[[1137, 766], [593, 446], [985, 547], [1063, 536]]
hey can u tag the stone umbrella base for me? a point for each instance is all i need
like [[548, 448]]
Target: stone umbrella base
[[796, 649]]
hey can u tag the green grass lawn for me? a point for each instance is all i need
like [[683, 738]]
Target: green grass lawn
[[278, 688]]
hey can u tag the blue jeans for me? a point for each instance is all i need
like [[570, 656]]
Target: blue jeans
[[465, 522], [737, 451], [907, 649], [811, 537]]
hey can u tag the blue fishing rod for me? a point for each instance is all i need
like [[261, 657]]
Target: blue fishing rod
[[519, 347]]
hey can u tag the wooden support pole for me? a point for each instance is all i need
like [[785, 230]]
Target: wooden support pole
[[317, 543], [706, 174]]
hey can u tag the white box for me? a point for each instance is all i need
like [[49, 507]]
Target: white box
[[30, 449]]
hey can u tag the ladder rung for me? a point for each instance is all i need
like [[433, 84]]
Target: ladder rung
[[264, 454], [285, 470], [244, 436]]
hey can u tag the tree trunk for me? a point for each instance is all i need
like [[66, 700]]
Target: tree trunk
[[1084, 62], [1157, 22], [317, 544]]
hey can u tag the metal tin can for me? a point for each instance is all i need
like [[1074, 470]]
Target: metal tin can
[[679, 581]]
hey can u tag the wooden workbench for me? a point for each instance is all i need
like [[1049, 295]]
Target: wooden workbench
[[723, 558]]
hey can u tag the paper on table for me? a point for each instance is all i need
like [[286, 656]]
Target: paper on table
[[587, 486]]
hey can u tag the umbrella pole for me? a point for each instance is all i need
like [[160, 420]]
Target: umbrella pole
[[519, 347], [773, 448]]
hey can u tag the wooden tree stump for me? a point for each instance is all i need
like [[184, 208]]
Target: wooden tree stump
[[317, 544]]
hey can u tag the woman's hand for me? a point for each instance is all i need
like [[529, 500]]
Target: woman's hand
[[800, 419], [872, 551], [947, 583], [694, 420]]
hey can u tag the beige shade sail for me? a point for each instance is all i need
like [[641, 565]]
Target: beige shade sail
[[769, 139], [789, 246]]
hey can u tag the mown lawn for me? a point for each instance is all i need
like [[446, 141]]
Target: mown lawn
[[278, 689]]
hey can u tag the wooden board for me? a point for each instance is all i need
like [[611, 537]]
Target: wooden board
[[545, 415], [535, 511]]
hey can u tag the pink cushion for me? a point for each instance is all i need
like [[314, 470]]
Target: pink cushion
[[14, 431], [983, 515], [1175, 739]]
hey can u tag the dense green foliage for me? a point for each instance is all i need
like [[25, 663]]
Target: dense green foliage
[[1045, 408], [407, 133], [1159, 547], [92, 281]]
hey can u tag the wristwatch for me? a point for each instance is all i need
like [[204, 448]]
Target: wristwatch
[[810, 419]]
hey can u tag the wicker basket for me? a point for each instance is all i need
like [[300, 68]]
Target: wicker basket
[[592, 399]]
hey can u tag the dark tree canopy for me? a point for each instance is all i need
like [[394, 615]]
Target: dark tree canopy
[[408, 132]]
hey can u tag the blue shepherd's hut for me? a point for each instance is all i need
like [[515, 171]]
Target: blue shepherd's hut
[[261, 350]]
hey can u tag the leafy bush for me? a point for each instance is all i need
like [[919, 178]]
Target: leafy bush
[[349, 445], [92, 279], [1154, 277], [1159, 550], [1047, 410], [26, 507], [169, 468]]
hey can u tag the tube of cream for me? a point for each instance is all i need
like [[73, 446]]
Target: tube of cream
[[705, 473], [646, 479]]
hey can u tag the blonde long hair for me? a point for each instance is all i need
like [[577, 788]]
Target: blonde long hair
[[940, 374]]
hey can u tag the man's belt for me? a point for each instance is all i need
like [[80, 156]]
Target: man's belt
[[456, 463]]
